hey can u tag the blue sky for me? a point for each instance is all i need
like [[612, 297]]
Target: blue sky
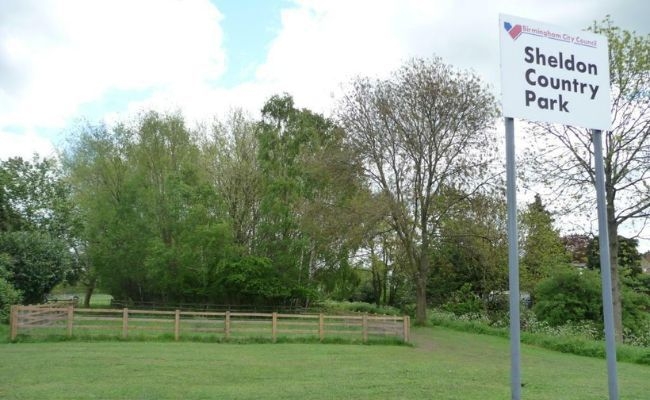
[[64, 61]]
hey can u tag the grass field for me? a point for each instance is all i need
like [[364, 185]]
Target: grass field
[[443, 364]]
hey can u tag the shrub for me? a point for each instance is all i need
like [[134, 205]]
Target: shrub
[[569, 296], [357, 306], [8, 297], [464, 301]]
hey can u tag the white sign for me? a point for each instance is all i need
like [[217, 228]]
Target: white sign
[[551, 74]]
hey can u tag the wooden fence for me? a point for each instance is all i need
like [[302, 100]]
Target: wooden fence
[[69, 321]]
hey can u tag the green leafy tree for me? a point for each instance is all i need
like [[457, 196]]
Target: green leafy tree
[[543, 250], [570, 295], [8, 294], [629, 258], [471, 250], [38, 262], [37, 227], [424, 129], [309, 218], [155, 227], [575, 295]]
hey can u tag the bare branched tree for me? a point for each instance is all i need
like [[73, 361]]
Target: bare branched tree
[[423, 131]]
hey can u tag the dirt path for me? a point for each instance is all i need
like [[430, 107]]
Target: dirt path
[[422, 338]]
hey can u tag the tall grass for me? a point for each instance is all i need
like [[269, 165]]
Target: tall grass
[[573, 338]]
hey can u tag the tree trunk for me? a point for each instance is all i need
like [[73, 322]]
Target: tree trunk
[[421, 289], [612, 229], [421, 300], [90, 288]]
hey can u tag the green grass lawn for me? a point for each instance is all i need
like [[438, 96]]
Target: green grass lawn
[[444, 364]]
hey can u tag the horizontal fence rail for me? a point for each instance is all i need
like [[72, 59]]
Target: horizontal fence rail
[[69, 321]]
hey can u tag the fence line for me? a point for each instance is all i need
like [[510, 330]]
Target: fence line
[[34, 320]]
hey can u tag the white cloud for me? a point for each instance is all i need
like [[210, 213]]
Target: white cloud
[[57, 55], [24, 145], [325, 43]]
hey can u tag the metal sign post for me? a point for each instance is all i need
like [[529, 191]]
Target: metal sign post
[[513, 260], [605, 265]]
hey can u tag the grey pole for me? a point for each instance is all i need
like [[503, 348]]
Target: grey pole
[[605, 270], [513, 260]]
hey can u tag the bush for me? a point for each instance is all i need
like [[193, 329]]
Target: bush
[[335, 307], [8, 294], [38, 262], [574, 338], [569, 296], [464, 301]]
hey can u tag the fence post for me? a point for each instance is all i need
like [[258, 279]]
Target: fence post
[[321, 327], [125, 323], [274, 327], [406, 326], [70, 320], [364, 323], [227, 325], [177, 325], [14, 322]]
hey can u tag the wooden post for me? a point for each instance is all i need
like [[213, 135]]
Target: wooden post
[[227, 325], [364, 323], [14, 322], [125, 323], [274, 327], [407, 328], [70, 320], [177, 325], [321, 327]]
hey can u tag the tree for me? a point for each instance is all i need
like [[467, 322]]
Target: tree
[[471, 251], [424, 129], [629, 258], [8, 293], [37, 226], [230, 154], [154, 226], [564, 161], [543, 251], [576, 245], [309, 209], [38, 262], [569, 296]]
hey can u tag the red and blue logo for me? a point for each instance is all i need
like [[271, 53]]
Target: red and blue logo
[[513, 31]]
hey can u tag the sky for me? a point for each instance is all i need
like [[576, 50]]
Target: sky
[[67, 61]]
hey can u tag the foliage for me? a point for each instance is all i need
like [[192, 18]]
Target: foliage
[[471, 249], [34, 197], [251, 280], [576, 245], [310, 212], [629, 258], [464, 301], [38, 262], [569, 296], [583, 339], [576, 296], [342, 307], [154, 226], [37, 228], [8, 294], [543, 251]]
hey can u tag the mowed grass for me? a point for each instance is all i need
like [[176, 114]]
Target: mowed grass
[[443, 364]]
